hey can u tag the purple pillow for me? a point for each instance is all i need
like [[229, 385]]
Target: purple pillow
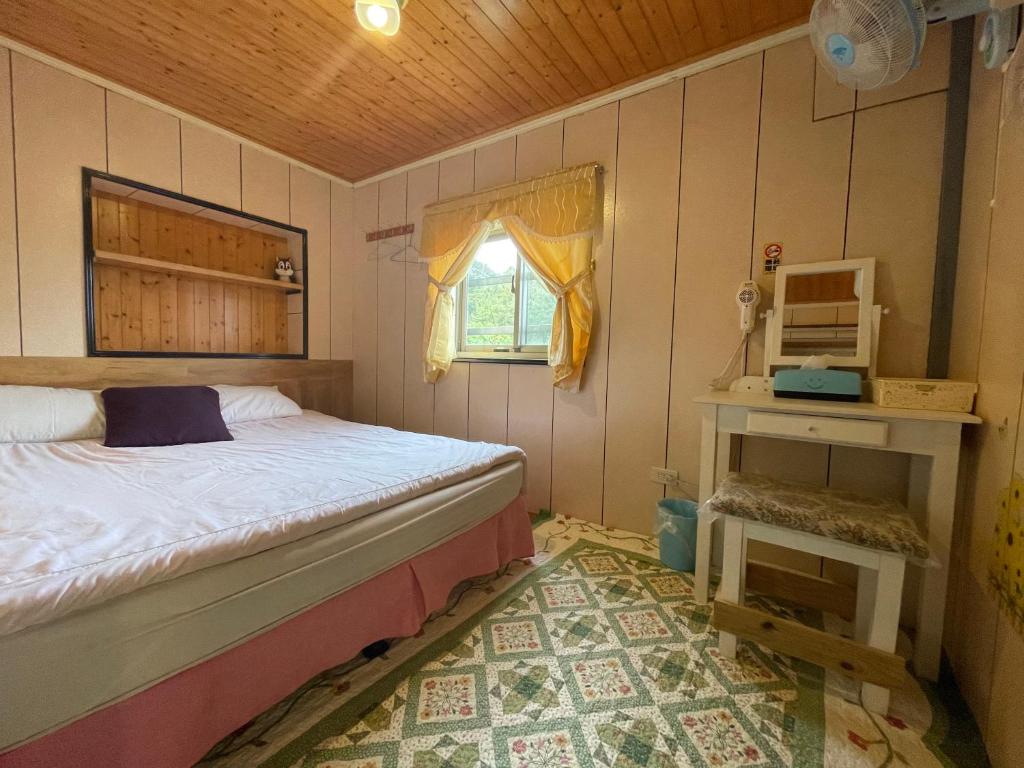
[[149, 416]]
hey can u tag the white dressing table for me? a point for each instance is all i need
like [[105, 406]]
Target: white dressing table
[[932, 438]]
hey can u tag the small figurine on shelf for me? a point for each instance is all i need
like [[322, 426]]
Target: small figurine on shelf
[[284, 270]]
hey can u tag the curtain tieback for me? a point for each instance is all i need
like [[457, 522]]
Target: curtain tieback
[[576, 280], [440, 286]]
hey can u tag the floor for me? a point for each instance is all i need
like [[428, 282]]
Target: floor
[[559, 662]]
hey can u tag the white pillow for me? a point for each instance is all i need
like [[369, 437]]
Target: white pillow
[[47, 415], [238, 404]]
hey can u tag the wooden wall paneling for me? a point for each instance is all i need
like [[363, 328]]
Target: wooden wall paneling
[[830, 97], [530, 403], [211, 168], [228, 242], [201, 306], [646, 205], [530, 388], [975, 219], [215, 260], [802, 173], [186, 286], [265, 184], [391, 307], [418, 396], [893, 216], [311, 210], [131, 279], [167, 285], [577, 451], [488, 402], [144, 143], [932, 75], [364, 306], [48, 161], [716, 214], [149, 288], [451, 393], [342, 268], [107, 282], [10, 310]]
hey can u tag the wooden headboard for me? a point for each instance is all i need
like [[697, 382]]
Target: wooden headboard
[[322, 385]]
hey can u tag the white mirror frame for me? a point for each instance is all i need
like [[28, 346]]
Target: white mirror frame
[[864, 315]]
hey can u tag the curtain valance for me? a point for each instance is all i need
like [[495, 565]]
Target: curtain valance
[[553, 206], [552, 219]]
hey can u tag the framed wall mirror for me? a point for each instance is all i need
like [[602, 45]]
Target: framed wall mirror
[[167, 275], [823, 308]]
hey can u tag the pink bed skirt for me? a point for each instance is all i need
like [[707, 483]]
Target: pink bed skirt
[[174, 723]]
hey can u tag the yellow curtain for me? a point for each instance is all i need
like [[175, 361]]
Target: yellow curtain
[[552, 219]]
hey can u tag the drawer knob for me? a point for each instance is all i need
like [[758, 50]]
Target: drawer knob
[[812, 428]]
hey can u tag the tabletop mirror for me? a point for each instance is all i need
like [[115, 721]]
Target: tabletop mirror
[[823, 308]]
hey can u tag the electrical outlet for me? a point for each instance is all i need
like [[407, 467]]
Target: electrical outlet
[[663, 476]]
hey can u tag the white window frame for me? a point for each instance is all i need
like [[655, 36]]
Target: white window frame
[[525, 352]]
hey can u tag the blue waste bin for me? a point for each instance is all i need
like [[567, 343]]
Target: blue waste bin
[[677, 533]]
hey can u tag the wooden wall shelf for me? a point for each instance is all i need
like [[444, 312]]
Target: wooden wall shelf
[[187, 270]]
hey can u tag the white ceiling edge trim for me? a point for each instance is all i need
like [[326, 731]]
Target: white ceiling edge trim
[[149, 101], [725, 57]]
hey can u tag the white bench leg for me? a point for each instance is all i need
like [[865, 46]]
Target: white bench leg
[[883, 626], [867, 586], [732, 587], [702, 569]]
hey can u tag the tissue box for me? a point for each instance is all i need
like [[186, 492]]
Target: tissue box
[[924, 394], [818, 384]]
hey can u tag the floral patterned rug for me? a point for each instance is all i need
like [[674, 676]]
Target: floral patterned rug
[[594, 655]]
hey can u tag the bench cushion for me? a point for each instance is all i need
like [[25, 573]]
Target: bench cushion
[[867, 522]]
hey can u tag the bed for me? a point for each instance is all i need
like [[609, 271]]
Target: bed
[[138, 583]]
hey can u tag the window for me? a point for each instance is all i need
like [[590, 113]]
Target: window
[[504, 309]]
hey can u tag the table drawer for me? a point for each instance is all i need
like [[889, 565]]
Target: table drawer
[[827, 429]]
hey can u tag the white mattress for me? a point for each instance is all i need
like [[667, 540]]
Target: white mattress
[[81, 523], [58, 671]]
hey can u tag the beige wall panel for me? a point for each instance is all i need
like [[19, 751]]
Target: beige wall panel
[[577, 455], [1004, 737], [451, 393], [646, 209], [144, 144], [391, 306], [716, 213], [364, 306], [893, 216], [265, 184], [495, 164], [48, 161], [803, 168], [342, 270], [539, 151], [530, 398], [975, 219], [451, 403], [931, 76], [830, 97], [977, 645], [488, 402], [418, 396], [210, 166], [311, 210], [10, 311]]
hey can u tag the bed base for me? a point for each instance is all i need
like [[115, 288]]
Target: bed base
[[175, 722]]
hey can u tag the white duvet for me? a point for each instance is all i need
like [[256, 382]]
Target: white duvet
[[80, 523]]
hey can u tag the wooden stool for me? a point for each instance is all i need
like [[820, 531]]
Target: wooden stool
[[875, 535]]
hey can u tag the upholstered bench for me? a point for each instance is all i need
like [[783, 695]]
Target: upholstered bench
[[876, 535]]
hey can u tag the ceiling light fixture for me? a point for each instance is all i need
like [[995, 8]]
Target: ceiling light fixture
[[382, 16]]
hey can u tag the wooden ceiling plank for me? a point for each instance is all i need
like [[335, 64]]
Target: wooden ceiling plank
[[619, 40], [687, 24], [634, 22], [545, 38], [660, 20], [509, 27], [712, 22], [738, 18], [574, 45], [507, 85], [764, 14], [479, 27], [575, 11]]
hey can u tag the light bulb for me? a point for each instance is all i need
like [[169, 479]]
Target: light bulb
[[377, 16]]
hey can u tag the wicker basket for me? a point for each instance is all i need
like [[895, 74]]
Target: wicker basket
[[924, 394]]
